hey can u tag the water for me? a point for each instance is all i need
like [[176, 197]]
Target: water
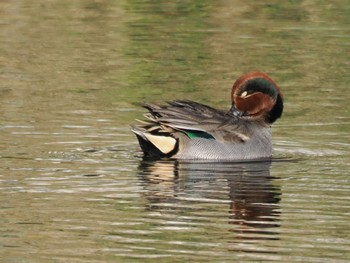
[[73, 186]]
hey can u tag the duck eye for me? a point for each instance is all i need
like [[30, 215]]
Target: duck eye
[[244, 93]]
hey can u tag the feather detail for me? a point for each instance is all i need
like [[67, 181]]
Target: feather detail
[[194, 120]]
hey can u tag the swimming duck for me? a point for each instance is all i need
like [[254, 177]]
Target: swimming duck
[[185, 129]]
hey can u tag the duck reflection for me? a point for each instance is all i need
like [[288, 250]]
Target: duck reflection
[[246, 188]]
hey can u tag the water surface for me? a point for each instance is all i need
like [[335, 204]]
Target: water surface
[[73, 185]]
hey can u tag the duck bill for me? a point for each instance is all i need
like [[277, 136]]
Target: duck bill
[[235, 112]]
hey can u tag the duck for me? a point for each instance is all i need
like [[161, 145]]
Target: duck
[[188, 130]]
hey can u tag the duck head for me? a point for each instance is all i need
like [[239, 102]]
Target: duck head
[[256, 94]]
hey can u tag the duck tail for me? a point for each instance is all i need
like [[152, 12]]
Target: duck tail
[[155, 145]]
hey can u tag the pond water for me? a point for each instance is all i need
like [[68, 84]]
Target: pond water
[[73, 185]]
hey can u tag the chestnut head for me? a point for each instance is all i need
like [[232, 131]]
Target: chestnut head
[[255, 94]]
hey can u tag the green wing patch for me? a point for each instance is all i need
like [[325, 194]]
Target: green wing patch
[[199, 134]]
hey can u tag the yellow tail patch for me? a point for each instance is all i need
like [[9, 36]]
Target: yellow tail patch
[[164, 143]]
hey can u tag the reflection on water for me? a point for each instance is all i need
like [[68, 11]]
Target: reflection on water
[[246, 188]]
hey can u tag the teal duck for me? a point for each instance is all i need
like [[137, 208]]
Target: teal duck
[[184, 129]]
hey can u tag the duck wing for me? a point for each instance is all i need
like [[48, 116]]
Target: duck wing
[[195, 120]]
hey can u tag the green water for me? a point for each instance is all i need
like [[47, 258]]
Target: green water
[[73, 186]]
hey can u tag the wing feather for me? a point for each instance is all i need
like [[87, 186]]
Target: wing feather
[[185, 115]]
